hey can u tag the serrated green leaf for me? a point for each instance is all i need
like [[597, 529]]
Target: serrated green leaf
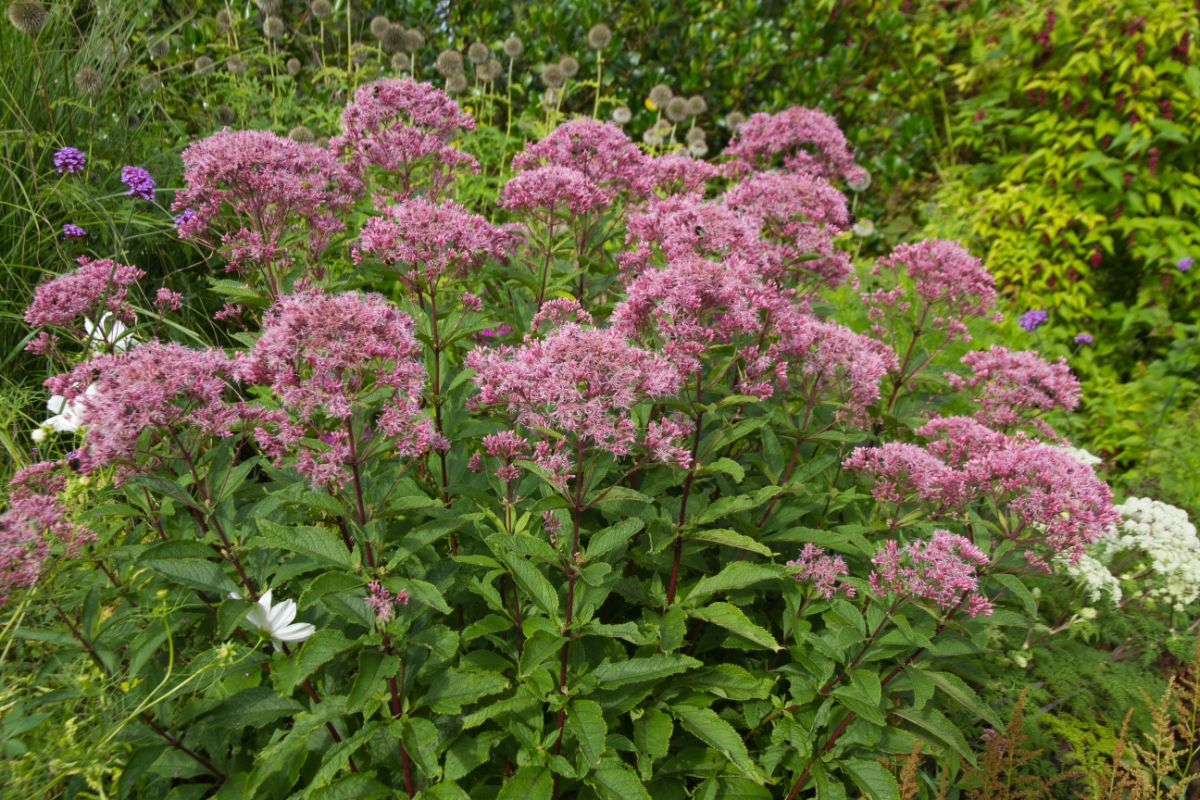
[[528, 783], [871, 776], [317, 650], [319, 544], [727, 506], [737, 575], [457, 687], [605, 541], [933, 722], [953, 687], [730, 539], [585, 721], [708, 727], [533, 584], [613, 780], [731, 618], [195, 573], [637, 670], [254, 707]]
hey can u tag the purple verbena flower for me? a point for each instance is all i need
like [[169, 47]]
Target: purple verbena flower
[[72, 231], [141, 184], [1185, 263], [69, 159], [1033, 319], [1083, 338]]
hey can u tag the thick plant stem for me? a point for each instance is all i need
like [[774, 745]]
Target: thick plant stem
[[683, 503], [576, 511]]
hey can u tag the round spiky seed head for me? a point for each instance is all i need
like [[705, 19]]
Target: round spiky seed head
[[159, 48], [359, 53], [621, 114], [449, 62], [321, 9], [481, 72], [676, 109], [268, 6], [88, 81], [553, 76], [660, 95], [301, 134], [202, 65], [379, 26], [697, 148], [274, 28], [415, 40], [734, 120], [28, 16], [401, 62], [550, 98], [513, 46], [322, 142], [148, 84], [224, 19], [393, 39], [293, 66], [696, 105], [599, 35], [696, 134], [651, 136], [478, 52], [456, 83], [225, 115], [494, 68], [236, 65], [569, 65]]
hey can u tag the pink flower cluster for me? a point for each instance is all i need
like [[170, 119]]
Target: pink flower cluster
[[686, 227], [552, 191], [676, 174], [400, 125], [322, 354], [383, 601], [822, 571], [425, 241], [155, 389], [807, 140], [257, 187], [578, 381], [942, 569], [1046, 498], [600, 151], [1013, 387], [35, 526], [98, 285]]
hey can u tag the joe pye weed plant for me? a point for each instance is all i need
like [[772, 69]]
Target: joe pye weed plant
[[595, 494]]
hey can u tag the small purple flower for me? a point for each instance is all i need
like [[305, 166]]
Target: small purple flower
[[1185, 263], [140, 184], [1033, 319], [72, 231], [68, 159], [183, 219], [1083, 338]]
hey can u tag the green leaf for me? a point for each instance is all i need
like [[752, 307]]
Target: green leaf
[[953, 687], [605, 541], [727, 506], [194, 572], [319, 544], [585, 721], [255, 707], [1014, 585], [317, 650], [705, 725], [875, 781], [533, 584], [421, 591], [167, 488], [528, 783], [421, 740], [933, 722], [726, 466], [731, 539], [458, 687], [652, 737], [610, 675], [615, 781], [732, 618], [737, 575]]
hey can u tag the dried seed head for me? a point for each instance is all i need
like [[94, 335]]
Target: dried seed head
[[359, 53], [301, 134], [696, 134], [660, 95], [293, 66], [322, 142], [449, 62], [236, 65], [88, 81], [478, 52], [414, 40], [148, 84], [28, 16], [553, 76], [569, 65], [652, 136], [696, 105], [513, 47], [734, 120], [202, 65], [677, 109], [393, 39], [268, 6], [456, 83], [494, 68], [379, 26], [224, 19], [599, 36], [321, 9], [225, 115], [274, 28], [401, 62], [698, 148], [159, 48], [621, 114]]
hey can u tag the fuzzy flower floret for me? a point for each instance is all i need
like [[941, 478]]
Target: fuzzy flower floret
[[941, 569], [1015, 386], [599, 150], [822, 571], [807, 140], [68, 160], [98, 285], [552, 189], [35, 527], [140, 183]]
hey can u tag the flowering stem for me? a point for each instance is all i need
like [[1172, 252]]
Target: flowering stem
[[862, 652], [687, 490], [576, 511]]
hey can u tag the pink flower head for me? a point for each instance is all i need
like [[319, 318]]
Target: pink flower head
[[425, 241], [322, 354], [577, 381], [35, 527], [684, 227], [905, 473], [557, 312], [98, 285], [550, 191], [941, 569], [383, 602], [168, 300], [253, 188], [828, 361], [679, 174], [806, 139], [822, 571], [1016, 386], [508, 446], [599, 150], [400, 125], [156, 389]]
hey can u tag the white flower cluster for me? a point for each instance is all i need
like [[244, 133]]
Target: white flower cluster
[[1164, 544]]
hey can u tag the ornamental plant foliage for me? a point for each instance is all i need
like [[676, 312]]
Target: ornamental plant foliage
[[590, 495]]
